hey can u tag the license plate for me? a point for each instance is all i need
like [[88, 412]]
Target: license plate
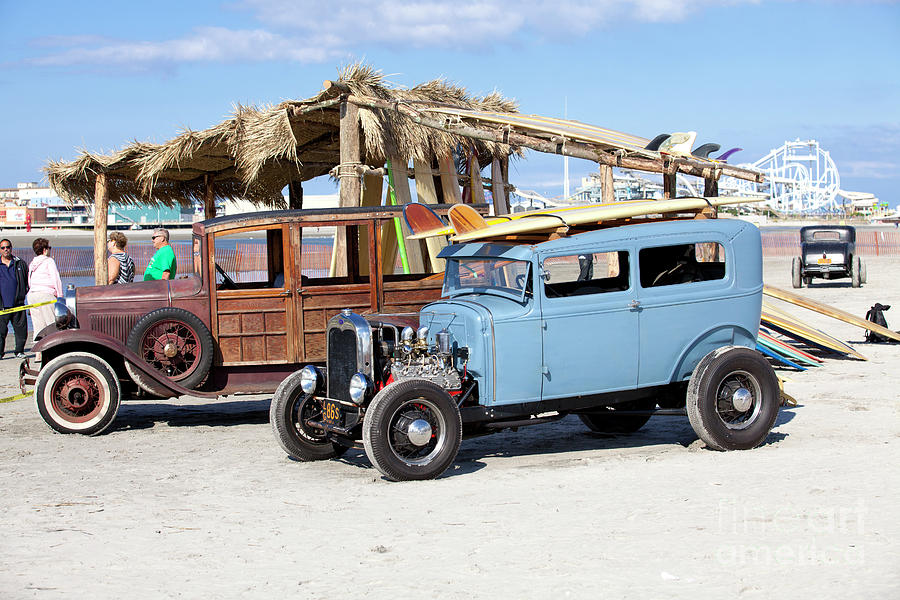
[[824, 261], [331, 413]]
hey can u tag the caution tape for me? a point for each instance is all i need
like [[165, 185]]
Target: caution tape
[[14, 398], [6, 311]]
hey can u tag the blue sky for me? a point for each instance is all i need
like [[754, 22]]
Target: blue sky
[[749, 73]]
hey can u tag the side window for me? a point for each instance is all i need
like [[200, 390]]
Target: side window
[[684, 263], [334, 254], [250, 260], [585, 273]]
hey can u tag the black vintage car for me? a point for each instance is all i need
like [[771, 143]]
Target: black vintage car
[[828, 252]]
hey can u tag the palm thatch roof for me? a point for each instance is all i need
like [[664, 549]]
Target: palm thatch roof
[[258, 151]]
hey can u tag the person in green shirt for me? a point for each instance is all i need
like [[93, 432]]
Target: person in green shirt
[[162, 265]]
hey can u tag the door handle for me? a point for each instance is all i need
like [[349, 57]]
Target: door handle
[[285, 293], [635, 305]]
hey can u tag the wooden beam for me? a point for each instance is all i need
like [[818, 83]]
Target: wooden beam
[[209, 196], [371, 196], [689, 166], [101, 218]]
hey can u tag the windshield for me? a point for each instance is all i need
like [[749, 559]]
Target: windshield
[[475, 275]]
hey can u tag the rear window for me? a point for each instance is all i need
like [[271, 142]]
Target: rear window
[[830, 236], [681, 264]]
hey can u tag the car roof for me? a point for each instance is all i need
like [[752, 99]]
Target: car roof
[[661, 229]]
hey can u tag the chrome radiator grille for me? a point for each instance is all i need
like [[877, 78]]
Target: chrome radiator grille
[[341, 362]]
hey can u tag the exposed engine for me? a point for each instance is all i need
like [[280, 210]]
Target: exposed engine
[[414, 358]]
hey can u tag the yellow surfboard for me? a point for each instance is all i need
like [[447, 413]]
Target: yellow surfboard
[[551, 220]]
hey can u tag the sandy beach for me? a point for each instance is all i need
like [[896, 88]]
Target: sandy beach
[[188, 499]]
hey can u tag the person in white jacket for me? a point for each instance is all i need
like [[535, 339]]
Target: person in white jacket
[[44, 285]]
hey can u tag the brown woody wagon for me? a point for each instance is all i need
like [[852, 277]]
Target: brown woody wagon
[[251, 309]]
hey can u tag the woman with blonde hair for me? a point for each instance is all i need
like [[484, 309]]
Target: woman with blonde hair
[[120, 266], [44, 285]]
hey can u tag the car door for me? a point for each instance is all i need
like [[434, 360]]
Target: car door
[[253, 297], [590, 323]]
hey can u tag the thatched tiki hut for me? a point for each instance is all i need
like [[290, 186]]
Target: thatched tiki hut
[[256, 153], [360, 131]]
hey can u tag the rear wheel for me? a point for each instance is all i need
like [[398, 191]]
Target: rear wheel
[[796, 278], [289, 411], [855, 279], [863, 276], [78, 392], [605, 420], [733, 399], [412, 430]]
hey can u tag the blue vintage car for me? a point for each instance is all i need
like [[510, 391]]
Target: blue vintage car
[[613, 325]]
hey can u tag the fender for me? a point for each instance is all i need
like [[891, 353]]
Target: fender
[[80, 336], [698, 348]]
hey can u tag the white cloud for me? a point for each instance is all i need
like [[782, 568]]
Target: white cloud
[[307, 31]]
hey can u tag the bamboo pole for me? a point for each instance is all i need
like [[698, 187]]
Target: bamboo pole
[[101, 218]]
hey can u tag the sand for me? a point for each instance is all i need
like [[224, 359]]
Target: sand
[[190, 499]]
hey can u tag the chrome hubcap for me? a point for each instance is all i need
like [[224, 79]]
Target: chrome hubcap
[[419, 432], [742, 399]]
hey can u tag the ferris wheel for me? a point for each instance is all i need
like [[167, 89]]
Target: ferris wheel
[[801, 177]]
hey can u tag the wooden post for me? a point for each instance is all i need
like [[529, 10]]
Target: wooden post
[[607, 185], [295, 194], [209, 196], [670, 182], [427, 194], [449, 179], [711, 187], [101, 217], [498, 189], [349, 178], [477, 188]]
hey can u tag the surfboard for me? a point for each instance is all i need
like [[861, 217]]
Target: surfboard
[[419, 218], [679, 143], [552, 220], [774, 355], [796, 329], [464, 218], [828, 310], [785, 349], [433, 230], [792, 347]]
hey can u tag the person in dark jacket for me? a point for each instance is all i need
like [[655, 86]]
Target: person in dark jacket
[[13, 287]]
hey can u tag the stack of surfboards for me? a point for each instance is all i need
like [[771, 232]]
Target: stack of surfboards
[[799, 333]]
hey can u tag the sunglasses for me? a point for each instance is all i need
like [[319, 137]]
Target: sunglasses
[[5, 247]]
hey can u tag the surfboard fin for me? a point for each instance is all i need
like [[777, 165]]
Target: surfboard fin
[[465, 219], [655, 142], [704, 150]]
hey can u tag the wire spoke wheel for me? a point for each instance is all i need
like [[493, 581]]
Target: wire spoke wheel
[[172, 348], [418, 432], [289, 412], [77, 392], [738, 400], [77, 396]]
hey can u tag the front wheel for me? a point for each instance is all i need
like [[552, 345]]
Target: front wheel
[[733, 399], [78, 392], [412, 430], [289, 411], [796, 275]]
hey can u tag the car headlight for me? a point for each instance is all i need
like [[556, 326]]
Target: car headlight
[[310, 378], [61, 314], [359, 387]]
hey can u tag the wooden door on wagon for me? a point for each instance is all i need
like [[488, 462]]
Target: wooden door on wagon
[[336, 264], [253, 317]]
